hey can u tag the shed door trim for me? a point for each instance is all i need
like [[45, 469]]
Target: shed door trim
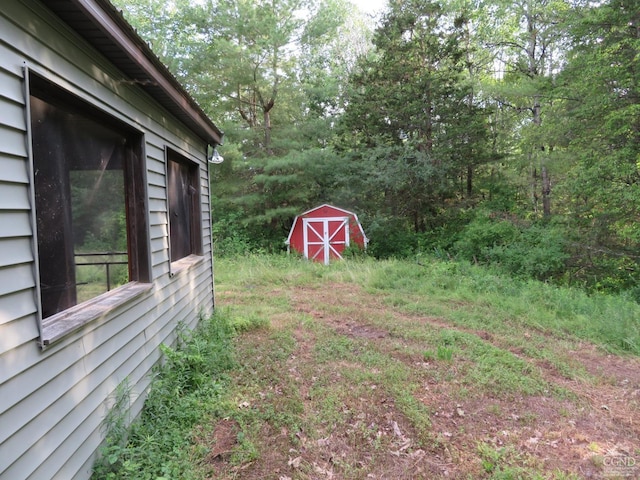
[[326, 237]]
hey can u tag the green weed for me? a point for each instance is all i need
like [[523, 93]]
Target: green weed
[[187, 387]]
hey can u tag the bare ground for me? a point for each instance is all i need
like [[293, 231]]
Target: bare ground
[[592, 430]]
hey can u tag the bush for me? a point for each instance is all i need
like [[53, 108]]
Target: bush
[[481, 236], [391, 238], [537, 252], [528, 251]]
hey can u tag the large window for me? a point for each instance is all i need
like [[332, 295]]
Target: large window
[[185, 225], [90, 199]]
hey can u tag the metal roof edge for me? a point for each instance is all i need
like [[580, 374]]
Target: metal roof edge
[[117, 29]]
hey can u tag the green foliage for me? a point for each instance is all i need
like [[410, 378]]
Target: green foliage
[[186, 387], [390, 238], [354, 251], [537, 250], [482, 235], [441, 115], [231, 237], [607, 320]]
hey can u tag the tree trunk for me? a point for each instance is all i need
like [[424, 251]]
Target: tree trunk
[[546, 192], [267, 131]]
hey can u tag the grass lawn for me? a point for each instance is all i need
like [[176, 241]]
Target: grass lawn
[[398, 370]]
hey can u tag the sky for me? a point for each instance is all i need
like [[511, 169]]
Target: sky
[[370, 6]]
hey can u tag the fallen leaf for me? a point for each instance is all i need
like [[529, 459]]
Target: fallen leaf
[[396, 429]]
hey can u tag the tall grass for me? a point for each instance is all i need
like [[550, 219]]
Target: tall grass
[[466, 294], [493, 300]]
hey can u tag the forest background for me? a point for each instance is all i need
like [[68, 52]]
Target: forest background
[[504, 133]]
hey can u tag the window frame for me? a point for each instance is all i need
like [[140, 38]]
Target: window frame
[[196, 248], [59, 325]]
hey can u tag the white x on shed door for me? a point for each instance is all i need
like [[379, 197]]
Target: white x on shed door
[[325, 238]]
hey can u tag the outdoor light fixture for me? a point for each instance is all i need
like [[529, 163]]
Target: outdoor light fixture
[[215, 156]]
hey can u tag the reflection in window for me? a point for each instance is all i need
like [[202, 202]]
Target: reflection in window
[[87, 167], [185, 226]]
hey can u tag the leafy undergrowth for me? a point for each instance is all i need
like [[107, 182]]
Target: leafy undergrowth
[[187, 388], [393, 370]]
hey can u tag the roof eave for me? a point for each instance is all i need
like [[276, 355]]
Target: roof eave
[[158, 81]]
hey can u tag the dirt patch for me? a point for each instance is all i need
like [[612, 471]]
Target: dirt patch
[[588, 432], [223, 440]]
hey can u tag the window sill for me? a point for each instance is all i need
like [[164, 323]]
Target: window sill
[[62, 324], [185, 264]]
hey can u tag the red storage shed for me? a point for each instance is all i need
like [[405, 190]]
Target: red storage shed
[[323, 233]]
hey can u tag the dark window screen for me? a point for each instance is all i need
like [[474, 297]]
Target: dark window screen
[[184, 209], [83, 177]]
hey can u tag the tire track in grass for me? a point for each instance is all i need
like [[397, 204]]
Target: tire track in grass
[[552, 432]]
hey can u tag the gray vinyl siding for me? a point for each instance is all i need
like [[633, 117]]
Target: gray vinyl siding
[[52, 401]]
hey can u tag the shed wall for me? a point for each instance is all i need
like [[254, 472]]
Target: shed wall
[[52, 401]]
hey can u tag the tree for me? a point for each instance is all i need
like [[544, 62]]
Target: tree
[[528, 37], [601, 127], [412, 112]]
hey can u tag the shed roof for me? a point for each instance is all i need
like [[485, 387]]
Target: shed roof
[[104, 27]]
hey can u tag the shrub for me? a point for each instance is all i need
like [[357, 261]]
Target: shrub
[[529, 251], [481, 236]]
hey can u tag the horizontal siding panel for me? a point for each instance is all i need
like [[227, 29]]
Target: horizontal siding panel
[[156, 165], [158, 223], [159, 244], [13, 196], [11, 83], [168, 327], [12, 63], [16, 305], [157, 193], [13, 169], [66, 415], [14, 251], [161, 269], [155, 148], [13, 142], [13, 114], [185, 282], [156, 179], [16, 278], [15, 224], [157, 205], [34, 373], [59, 408], [179, 300], [18, 332], [91, 356], [112, 335], [183, 311], [159, 257], [88, 434]]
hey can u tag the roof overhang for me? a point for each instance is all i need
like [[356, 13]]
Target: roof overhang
[[104, 27]]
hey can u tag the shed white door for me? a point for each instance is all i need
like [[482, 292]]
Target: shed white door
[[325, 238]]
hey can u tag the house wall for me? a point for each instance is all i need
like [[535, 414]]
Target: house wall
[[52, 401]]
